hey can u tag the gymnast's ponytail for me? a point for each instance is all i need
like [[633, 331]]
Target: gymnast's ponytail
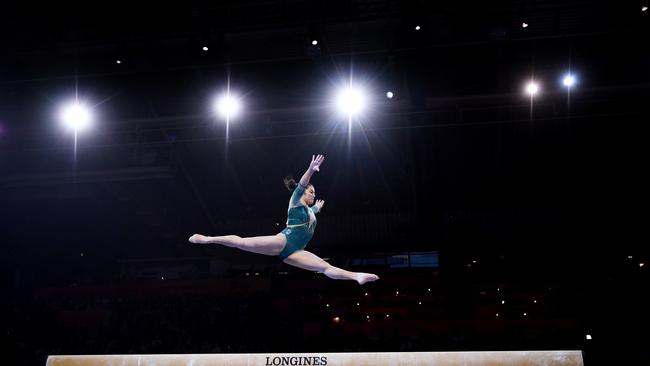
[[290, 183]]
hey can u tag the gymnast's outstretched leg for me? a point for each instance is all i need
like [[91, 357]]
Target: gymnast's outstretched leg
[[267, 245], [311, 262]]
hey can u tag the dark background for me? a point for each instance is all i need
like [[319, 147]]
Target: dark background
[[542, 208]]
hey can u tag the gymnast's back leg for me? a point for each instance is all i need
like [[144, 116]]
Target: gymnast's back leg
[[267, 245]]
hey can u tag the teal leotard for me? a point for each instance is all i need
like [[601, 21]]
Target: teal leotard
[[298, 230]]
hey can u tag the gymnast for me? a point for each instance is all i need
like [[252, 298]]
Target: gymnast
[[290, 244]]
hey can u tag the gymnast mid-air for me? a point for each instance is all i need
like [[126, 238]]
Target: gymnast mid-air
[[290, 244]]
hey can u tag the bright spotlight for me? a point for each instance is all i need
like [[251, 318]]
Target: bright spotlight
[[644, 8], [532, 88], [524, 25], [205, 48], [417, 27], [569, 80], [389, 95], [314, 42], [228, 106], [350, 101], [118, 62], [75, 116]]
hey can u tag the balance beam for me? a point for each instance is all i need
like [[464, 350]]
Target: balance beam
[[508, 358]]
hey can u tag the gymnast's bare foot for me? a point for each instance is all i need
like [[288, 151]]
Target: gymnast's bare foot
[[366, 277], [199, 239]]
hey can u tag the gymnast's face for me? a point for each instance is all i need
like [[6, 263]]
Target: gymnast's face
[[310, 195]]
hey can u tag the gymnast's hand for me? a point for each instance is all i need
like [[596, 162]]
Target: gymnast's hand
[[316, 162], [319, 204]]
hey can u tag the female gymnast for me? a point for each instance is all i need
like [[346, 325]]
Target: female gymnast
[[290, 244]]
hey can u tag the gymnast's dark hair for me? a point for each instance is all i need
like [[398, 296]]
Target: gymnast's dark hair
[[291, 183]]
